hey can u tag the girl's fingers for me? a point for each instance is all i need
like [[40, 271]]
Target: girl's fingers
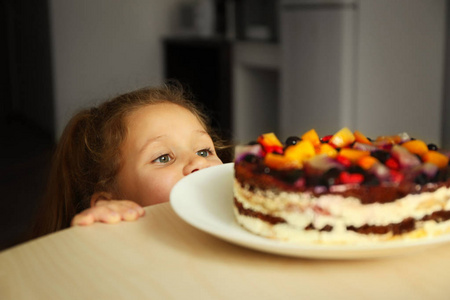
[[110, 212], [81, 219], [123, 207]]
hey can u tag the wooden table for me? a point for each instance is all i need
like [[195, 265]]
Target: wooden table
[[162, 257]]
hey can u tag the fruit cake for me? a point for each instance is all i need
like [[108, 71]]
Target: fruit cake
[[342, 188]]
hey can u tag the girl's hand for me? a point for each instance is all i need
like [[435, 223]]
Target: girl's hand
[[110, 212]]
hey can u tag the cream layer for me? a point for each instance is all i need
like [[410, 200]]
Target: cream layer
[[302, 209]]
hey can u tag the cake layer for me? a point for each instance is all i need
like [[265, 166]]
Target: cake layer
[[288, 233], [293, 216]]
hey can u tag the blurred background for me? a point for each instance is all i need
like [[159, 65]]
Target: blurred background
[[287, 66]]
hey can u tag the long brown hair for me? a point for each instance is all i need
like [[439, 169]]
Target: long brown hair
[[87, 158]]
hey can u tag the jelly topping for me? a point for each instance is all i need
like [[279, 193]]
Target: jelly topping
[[397, 163]]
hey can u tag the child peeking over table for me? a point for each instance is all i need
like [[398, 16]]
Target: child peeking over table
[[126, 153]]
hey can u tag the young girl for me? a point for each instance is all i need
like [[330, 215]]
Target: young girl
[[124, 154]]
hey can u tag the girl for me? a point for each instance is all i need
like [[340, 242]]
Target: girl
[[134, 147]]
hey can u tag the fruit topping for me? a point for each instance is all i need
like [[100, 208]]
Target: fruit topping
[[437, 158], [380, 171], [396, 176], [311, 136], [326, 138], [361, 138], [432, 147], [392, 163], [270, 143], [330, 177], [429, 169], [342, 138], [364, 147], [292, 140], [416, 146], [366, 162], [301, 151], [381, 155], [353, 154], [319, 164], [346, 178], [281, 162], [405, 158], [346, 158], [404, 137], [243, 150], [390, 139], [346, 162], [327, 149]]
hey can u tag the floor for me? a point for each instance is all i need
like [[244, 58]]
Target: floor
[[25, 159]]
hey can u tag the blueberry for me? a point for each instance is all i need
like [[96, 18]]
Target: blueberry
[[432, 147], [250, 158], [421, 179], [356, 169], [330, 176], [292, 140], [381, 155]]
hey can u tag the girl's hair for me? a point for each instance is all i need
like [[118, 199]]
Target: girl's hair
[[87, 158]]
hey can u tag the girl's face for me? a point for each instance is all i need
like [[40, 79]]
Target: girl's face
[[165, 142]]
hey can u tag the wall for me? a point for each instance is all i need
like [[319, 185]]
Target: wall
[[104, 47], [401, 68], [391, 81], [446, 106]]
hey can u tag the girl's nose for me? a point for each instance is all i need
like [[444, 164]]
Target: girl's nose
[[196, 163]]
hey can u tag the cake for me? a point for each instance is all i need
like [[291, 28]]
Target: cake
[[343, 188]]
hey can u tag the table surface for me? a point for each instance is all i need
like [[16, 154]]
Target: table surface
[[162, 257]]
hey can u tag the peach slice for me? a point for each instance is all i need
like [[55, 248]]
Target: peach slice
[[312, 136], [327, 149], [352, 154], [391, 139], [366, 162], [281, 162], [416, 146], [436, 158], [301, 151], [361, 138], [342, 138]]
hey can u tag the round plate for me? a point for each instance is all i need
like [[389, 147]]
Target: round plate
[[204, 199]]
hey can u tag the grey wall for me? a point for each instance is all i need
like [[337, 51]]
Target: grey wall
[[104, 47]]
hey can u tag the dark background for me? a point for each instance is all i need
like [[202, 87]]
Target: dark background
[[26, 114]]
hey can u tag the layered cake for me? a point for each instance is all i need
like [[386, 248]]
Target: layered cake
[[342, 188]]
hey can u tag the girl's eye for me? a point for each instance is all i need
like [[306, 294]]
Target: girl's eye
[[163, 159], [204, 152]]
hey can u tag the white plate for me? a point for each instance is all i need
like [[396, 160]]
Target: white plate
[[204, 199]]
